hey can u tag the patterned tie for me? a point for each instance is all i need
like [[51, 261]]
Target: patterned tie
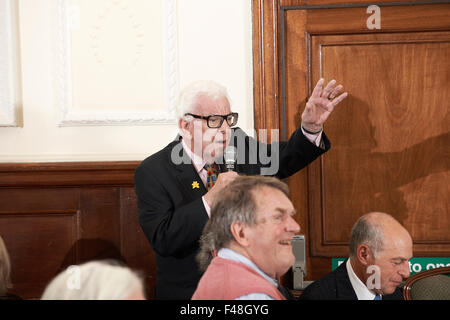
[[377, 297], [212, 172]]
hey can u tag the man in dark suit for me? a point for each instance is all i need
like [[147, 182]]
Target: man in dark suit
[[380, 248], [175, 190]]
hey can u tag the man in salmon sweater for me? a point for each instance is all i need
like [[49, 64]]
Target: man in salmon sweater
[[246, 244]]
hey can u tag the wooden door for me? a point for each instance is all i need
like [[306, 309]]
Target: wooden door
[[390, 137]]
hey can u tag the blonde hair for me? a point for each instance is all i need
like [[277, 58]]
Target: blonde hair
[[5, 269], [95, 280]]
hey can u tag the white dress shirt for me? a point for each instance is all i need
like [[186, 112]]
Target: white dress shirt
[[361, 290]]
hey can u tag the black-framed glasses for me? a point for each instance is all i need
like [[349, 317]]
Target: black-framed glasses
[[216, 120]]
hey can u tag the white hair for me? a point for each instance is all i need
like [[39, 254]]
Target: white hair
[[188, 96], [96, 280]]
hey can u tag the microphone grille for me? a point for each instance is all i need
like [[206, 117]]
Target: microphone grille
[[230, 154]]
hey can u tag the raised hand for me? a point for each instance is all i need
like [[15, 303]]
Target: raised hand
[[321, 104]]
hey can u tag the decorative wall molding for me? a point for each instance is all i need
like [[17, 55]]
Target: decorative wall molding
[[93, 173], [70, 116], [8, 102]]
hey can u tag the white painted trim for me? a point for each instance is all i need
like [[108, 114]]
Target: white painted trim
[[8, 101], [72, 117]]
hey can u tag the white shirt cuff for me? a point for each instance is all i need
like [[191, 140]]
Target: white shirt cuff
[[313, 138]]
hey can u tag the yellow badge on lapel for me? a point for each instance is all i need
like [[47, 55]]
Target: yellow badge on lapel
[[195, 185]]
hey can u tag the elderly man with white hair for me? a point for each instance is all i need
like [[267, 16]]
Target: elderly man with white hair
[[177, 186]]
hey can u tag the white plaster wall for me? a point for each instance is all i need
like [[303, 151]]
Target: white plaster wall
[[214, 42]]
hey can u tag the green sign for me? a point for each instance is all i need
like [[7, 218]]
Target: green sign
[[415, 264]]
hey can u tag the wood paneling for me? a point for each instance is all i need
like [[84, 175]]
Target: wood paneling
[[56, 215], [389, 138], [27, 200], [320, 4], [37, 244], [265, 75], [383, 161], [134, 245], [67, 174], [392, 19]]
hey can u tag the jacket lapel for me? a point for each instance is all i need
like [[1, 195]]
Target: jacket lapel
[[190, 182], [344, 289]]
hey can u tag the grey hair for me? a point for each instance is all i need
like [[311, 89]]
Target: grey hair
[[95, 280], [5, 269], [236, 203], [369, 232], [187, 97]]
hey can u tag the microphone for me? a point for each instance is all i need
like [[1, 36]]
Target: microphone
[[230, 157]]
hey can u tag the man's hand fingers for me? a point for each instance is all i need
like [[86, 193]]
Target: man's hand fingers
[[336, 101], [226, 177], [330, 86], [318, 88], [336, 92], [223, 180]]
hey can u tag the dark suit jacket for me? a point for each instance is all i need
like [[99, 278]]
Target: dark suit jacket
[[337, 286], [171, 211]]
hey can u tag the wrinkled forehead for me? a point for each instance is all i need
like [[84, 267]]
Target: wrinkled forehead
[[206, 105], [271, 201]]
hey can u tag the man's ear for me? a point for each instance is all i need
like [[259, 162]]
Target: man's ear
[[183, 124], [185, 127], [239, 231], [364, 255]]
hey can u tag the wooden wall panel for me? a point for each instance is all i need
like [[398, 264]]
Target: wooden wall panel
[[382, 161], [134, 245], [393, 18], [389, 138], [20, 200], [265, 76], [56, 215], [329, 3], [66, 174], [38, 242]]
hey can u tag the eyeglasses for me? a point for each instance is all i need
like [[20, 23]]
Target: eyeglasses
[[216, 120]]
